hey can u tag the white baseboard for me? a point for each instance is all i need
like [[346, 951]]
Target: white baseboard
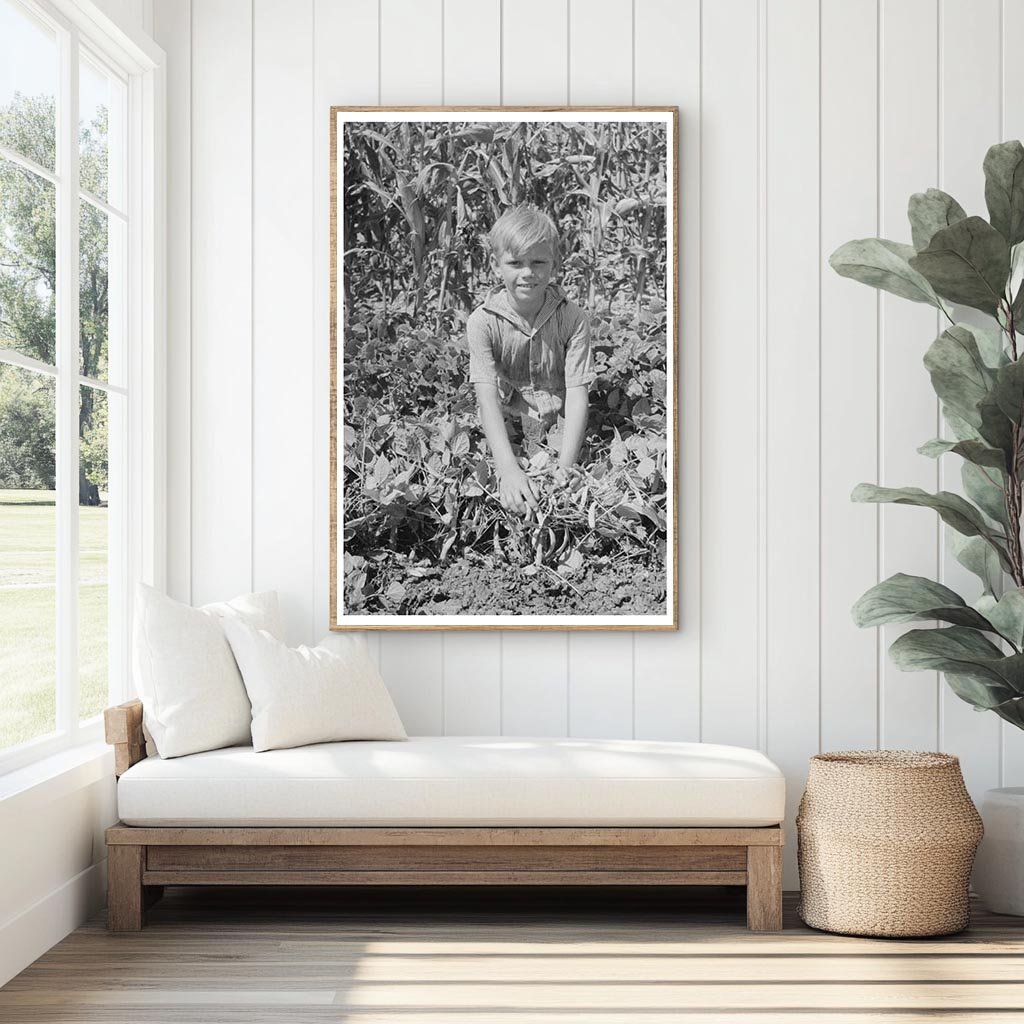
[[28, 936]]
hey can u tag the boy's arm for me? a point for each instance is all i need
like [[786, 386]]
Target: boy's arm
[[515, 488], [577, 408]]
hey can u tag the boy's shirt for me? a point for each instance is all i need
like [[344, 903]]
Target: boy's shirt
[[531, 366]]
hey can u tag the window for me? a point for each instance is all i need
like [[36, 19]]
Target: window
[[77, 342]]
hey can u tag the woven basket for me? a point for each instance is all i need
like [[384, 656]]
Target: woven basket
[[886, 840]]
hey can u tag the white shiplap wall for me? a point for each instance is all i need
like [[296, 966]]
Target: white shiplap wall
[[804, 123]]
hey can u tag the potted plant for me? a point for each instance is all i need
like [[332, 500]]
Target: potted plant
[[978, 374]]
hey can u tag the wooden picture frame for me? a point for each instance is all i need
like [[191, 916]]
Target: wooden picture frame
[[620, 527]]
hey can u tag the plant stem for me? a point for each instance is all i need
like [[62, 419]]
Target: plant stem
[[1013, 483]]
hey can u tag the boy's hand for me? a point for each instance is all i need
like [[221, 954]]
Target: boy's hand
[[515, 490]]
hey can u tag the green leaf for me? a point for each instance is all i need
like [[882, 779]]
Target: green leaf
[[976, 555], [1006, 614], [971, 450], [984, 486], [903, 598], [952, 509], [883, 264], [980, 692], [990, 345], [1015, 286], [958, 372], [995, 428], [964, 652], [967, 263], [932, 211], [1004, 189], [961, 429], [1009, 390]]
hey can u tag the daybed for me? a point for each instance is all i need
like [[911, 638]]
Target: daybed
[[444, 811]]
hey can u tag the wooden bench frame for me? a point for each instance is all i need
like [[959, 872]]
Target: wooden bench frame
[[142, 860]]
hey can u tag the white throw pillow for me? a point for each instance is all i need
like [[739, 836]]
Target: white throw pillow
[[309, 694], [192, 693]]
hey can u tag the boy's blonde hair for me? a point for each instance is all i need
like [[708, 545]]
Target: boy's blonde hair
[[521, 227]]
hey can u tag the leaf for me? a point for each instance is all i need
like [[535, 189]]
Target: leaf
[[903, 598], [1009, 390], [984, 486], [930, 212], [996, 429], [962, 430], [1006, 614], [977, 556], [952, 509], [396, 592], [962, 651], [990, 345], [959, 374], [967, 263], [1015, 286], [980, 693], [460, 444], [883, 264], [971, 450], [1004, 189]]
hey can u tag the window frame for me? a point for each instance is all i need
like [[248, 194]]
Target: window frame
[[139, 62]]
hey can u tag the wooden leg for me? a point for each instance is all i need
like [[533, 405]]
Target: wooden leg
[[764, 888], [124, 888]]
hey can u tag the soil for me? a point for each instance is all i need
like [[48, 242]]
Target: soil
[[483, 585]]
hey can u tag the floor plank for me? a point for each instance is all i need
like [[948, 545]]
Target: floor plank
[[496, 956]]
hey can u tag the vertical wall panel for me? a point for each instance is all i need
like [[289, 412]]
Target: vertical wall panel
[[534, 52], [729, 386], [412, 665], [1012, 127], [472, 660], [410, 51], [792, 385], [534, 695], [411, 72], [909, 414], [601, 684], [535, 665], [600, 51], [472, 684], [221, 371], [472, 52], [601, 666], [173, 30], [745, 75], [283, 309], [849, 372], [349, 29], [666, 666], [969, 124]]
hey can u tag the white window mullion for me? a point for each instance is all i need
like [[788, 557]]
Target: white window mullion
[[67, 387]]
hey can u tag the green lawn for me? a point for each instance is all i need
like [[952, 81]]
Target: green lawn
[[28, 615]]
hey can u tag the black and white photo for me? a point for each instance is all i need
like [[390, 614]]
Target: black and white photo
[[503, 357]]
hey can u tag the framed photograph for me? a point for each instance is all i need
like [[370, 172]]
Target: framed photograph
[[504, 317]]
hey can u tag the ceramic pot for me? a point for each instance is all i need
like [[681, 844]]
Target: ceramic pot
[[999, 868]]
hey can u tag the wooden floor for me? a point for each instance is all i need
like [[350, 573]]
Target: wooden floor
[[217, 956]]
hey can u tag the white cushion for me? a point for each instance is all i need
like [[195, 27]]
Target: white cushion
[[309, 694], [456, 780], [191, 691]]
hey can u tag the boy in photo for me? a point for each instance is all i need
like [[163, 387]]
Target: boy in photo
[[529, 351]]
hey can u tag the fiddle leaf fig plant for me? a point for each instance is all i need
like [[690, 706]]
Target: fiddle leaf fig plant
[[978, 374]]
